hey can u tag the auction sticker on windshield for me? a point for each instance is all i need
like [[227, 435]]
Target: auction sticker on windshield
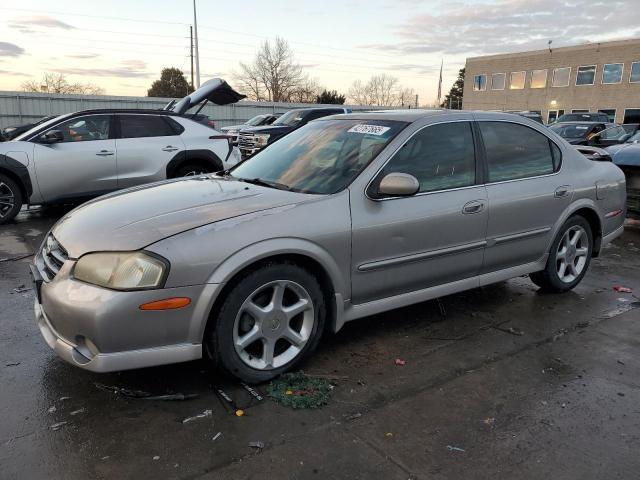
[[369, 129]]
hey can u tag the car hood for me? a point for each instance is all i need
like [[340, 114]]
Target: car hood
[[135, 218], [625, 154], [269, 129], [215, 90]]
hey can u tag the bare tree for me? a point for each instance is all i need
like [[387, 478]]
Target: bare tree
[[274, 73], [58, 83], [306, 92], [381, 90]]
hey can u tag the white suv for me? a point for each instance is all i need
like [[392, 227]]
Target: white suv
[[82, 155]]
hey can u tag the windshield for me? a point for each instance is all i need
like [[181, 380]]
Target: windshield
[[38, 126], [290, 119], [571, 131], [322, 157], [255, 120]]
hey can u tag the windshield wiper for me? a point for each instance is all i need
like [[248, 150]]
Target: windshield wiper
[[265, 183]]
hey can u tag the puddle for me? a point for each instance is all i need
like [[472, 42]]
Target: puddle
[[13, 245]]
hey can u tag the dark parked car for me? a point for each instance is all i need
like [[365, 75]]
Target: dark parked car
[[627, 157], [535, 116], [584, 117], [11, 132], [252, 140], [257, 121], [595, 134]]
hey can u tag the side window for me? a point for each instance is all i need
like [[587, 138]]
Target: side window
[[440, 156], [138, 126], [516, 151], [84, 129]]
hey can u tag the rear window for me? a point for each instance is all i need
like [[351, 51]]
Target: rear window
[[571, 131]]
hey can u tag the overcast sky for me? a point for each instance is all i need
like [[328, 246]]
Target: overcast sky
[[121, 45]]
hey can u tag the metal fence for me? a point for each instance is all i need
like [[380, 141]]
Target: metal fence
[[19, 107]]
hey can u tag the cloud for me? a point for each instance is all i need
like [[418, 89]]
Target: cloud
[[34, 23], [10, 50], [126, 69], [501, 26], [13, 74], [416, 67], [83, 56]]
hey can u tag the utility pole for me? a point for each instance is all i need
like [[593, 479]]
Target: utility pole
[[195, 32], [191, 53], [416, 100]]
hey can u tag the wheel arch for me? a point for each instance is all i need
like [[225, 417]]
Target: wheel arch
[[19, 174], [589, 211], [200, 157], [299, 252]]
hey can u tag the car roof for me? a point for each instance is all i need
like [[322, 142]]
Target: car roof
[[413, 115]]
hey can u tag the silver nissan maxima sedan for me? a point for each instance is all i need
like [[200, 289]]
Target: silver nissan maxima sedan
[[346, 217]]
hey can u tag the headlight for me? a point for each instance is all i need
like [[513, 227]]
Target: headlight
[[9, 129], [121, 270], [262, 139]]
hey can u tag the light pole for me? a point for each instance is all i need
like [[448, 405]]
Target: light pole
[[195, 34]]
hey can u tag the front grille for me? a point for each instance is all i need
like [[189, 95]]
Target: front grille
[[246, 140], [51, 258]]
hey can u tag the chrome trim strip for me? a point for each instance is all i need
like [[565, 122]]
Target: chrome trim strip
[[416, 257], [521, 235]]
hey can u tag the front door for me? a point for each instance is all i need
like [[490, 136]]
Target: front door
[[527, 193], [437, 236], [83, 164], [145, 145]]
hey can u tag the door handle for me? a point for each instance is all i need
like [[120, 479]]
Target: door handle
[[562, 191], [104, 153], [475, 206], [169, 148]]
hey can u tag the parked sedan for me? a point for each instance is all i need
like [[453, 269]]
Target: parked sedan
[[346, 217], [590, 133], [627, 157], [257, 121]]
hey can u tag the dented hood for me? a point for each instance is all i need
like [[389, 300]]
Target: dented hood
[[215, 91], [135, 218]]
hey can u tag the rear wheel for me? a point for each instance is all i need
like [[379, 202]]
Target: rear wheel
[[569, 257], [10, 199], [269, 321], [190, 170]]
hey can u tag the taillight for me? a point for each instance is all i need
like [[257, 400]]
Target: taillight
[[211, 123]]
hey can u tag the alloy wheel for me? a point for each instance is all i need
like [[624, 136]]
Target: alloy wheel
[[572, 254], [273, 325], [7, 199]]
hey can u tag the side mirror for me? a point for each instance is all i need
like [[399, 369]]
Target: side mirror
[[52, 136], [398, 185]]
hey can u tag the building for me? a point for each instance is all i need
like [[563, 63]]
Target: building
[[596, 77]]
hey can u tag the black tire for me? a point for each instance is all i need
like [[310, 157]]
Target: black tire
[[190, 169], [10, 199], [219, 342], [549, 279]]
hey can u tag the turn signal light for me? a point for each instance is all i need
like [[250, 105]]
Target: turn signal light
[[166, 304]]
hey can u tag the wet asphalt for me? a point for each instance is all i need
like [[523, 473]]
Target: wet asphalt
[[499, 382]]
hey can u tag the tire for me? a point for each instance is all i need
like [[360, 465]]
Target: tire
[[189, 170], [575, 257], [281, 339], [10, 199]]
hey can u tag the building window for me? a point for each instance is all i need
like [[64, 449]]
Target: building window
[[498, 81], [634, 77], [539, 79], [580, 110], [554, 115], [586, 75], [561, 77], [631, 115], [612, 73], [479, 83], [517, 80], [611, 113]]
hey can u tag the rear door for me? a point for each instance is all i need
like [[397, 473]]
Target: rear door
[[610, 136], [83, 164], [145, 145], [527, 193]]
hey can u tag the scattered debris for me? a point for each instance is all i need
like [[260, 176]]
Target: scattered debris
[[388, 434], [20, 289], [584, 324], [12, 364], [216, 436], [454, 449], [257, 444], [298, 390], [206, 413], [13, 259], [353, 416], [156, 458], [511, 330], [620, 362], [620, 394], [621, 289], [254, 393], [400, 363], [76, 412], [489, 420], [62, 399], [57, 426], [140, 394], [239, 413], [106, 457], [52, 409], [443, 311]]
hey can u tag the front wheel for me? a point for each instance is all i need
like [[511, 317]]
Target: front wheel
[[10, 199], [569, 257], [271, 319], [190, 170]]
